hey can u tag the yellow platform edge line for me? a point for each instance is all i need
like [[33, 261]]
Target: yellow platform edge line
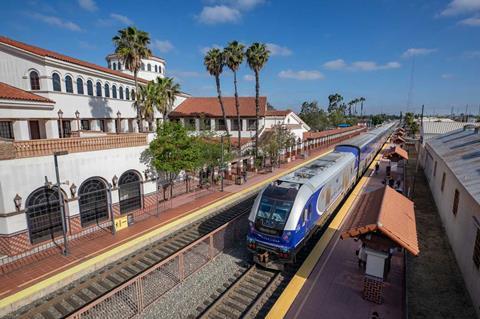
[[94, 260], [288, 296]]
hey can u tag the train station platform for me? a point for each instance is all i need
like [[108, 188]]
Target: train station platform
[[330, 283], [27, 279]]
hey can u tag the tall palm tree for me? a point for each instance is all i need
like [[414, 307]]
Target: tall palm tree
[[361, 100], [147, 100], [234, 55], [167, 90], [214, 62], [257, 56], [131, 46]]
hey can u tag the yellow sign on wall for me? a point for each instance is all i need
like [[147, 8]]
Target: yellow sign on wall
[[121, 223]]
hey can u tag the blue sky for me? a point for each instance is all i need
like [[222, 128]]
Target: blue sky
[[357, 48]]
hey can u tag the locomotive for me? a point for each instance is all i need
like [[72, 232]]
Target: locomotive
[[287, 211]]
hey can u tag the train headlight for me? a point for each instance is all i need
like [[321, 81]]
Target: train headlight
[[286, 236]]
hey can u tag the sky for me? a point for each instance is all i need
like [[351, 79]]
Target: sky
[[398, 54]]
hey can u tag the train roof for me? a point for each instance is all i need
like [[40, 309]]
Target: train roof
[[365, 138], [318, 170]]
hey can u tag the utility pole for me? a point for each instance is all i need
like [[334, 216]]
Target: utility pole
[[466, 113], [421, 118], [222, 169]]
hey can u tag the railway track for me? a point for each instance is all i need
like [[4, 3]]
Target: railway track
[[69, 299]]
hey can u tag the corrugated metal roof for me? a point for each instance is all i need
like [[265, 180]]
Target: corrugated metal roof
[[430, 129], [460, 150]]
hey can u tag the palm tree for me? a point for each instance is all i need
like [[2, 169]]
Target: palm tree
[[214, 62], [257, 56], [361, 100], [131, 46], [147, 100], [167, 89], [234, 55], [350, 104]]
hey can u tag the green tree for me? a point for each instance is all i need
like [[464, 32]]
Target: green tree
[[234, 55], [173, 150], [281, 138], [214, 62], [147, 100], [334, 102], [167, 90], [314, 116], [257, 56], [131, 46]]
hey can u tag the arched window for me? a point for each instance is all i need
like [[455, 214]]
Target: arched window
[[114, 91], [156, 69], [107, 90], [56, 82], [119, 66], [68, 84], [44, 220], [114, 66], [92, 199], [160, 69], [133, 94], [127, 94], [79, 86], [121, 93], [34, 81], [149, 68], [129, 193], [90, 87], [143, 67], [99, 89]]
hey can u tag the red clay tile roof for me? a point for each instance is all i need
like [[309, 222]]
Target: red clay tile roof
[[313, 135], [399, 138], [9, 92], [388, 212], [277, 112], [58, 56], [397, 150], [210, 107]]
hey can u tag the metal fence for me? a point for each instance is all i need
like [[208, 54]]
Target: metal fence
[[134, 296]]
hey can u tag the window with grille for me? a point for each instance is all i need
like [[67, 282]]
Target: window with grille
[[442, 187], [129, 192], [90, 87], [476, 250], [127, 94], [44, 219], [99, 89], [68, 84], [6, 130], [56, 82], [114, 91], [34, 81], [67, 128], [101, 123], [93, 202], [252, 125], [220, 125], [120, 91], [205, 125], [235, 125], [85, 124], [79, 86], [456, 199]]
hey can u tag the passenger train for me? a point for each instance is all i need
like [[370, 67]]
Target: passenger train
[[287, 211]]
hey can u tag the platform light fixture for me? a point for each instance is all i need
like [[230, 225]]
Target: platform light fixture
[[73, 190], [115, 180], [18, 202]]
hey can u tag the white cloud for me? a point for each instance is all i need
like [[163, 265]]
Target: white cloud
[[446, 76], [88, 5], [219, 14], [239, 4], [337, 64], [472, 54], [417, 51], [472, 22], [56, 21], [301, 75], [276, 49], [121, 18], [457, 7], [249, 77], [163, 45], [204, 50], [340, 64]]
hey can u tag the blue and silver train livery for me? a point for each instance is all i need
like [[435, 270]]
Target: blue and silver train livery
[[286, 212]]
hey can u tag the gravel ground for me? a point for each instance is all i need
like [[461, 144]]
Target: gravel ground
[[183, 300]]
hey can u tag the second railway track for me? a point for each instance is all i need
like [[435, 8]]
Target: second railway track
[[69, 299]]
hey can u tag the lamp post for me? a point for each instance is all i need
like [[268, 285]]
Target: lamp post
[[18, 202], [77, 116], [119, 122], [60, 198], [222, 169], [60, 117]]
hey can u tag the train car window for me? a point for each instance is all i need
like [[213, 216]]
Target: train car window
[[272, 215]]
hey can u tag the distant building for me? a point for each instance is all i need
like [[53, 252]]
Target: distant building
[[452, 168]]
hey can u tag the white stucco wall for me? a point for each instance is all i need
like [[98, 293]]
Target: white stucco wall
[[461, 228]]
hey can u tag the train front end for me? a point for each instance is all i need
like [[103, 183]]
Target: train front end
[[271, 244]]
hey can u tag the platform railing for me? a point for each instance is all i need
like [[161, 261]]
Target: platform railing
[[43, 147], [132, 297]]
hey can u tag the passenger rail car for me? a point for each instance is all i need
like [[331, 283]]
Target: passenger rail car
[[286, 212]]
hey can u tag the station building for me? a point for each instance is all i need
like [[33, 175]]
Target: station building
[[452, 168], [50, 102]]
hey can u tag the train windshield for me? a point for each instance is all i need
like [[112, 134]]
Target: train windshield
[[274, 208]]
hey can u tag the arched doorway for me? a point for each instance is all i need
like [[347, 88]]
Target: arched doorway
[[93, 201], [130, 192], [44, 219]]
